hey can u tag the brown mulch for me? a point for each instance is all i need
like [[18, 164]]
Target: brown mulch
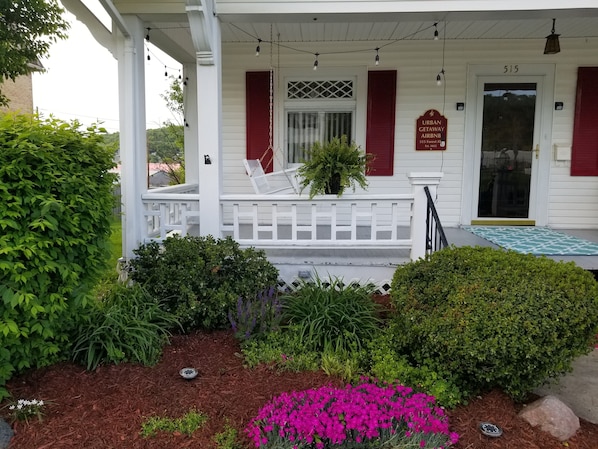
[[104, 409]]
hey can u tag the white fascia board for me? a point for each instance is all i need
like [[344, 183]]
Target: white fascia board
[[237, 7]]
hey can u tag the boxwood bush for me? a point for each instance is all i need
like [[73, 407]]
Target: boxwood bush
[[199, 279], [494, 318], [55, 208]]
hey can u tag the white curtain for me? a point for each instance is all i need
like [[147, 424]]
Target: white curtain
[[305, 128]]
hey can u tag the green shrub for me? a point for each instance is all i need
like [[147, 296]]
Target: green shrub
[[55, 209], [199, 279], [330, 315], [494, 318], [387, 365], [126, 325]]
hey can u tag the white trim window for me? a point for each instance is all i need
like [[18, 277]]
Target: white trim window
[[317, 109]]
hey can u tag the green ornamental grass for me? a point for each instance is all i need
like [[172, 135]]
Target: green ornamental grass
[[331, 315]]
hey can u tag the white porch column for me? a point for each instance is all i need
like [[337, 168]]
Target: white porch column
[[131, 82], [418, 214], [190, 126], [205, 33]]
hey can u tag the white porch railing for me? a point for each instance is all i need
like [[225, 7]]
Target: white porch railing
[[283, 221], [169, 210], [327, 221]]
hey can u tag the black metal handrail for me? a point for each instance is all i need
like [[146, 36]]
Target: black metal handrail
[[435, 236]]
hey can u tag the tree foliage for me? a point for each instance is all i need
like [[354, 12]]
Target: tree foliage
[[27, 29], [55, 210]]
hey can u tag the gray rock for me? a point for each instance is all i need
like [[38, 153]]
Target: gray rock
[[553, 416], [6, 434]]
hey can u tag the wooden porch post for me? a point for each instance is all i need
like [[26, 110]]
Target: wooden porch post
[[133, 153], [205, 33], [418, 214]]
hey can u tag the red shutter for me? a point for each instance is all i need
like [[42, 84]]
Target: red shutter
[[257, 110], [380, 137], [584, 156]]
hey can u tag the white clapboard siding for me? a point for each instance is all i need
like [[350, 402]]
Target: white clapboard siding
[[572, 201]]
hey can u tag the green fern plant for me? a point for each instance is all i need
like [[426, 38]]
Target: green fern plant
[[333, 166]]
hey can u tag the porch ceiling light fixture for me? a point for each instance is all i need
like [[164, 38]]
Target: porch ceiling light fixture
[[552, 42], [377, 58]]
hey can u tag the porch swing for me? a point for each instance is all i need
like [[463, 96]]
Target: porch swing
[[283, 181]]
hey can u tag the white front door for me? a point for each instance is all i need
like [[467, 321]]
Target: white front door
[[508, 144]]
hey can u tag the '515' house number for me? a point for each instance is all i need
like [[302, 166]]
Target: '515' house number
[[511, 68]]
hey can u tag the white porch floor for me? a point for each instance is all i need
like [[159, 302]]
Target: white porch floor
[[378, 265]]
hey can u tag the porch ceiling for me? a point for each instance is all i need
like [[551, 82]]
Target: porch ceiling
[[170, 27]]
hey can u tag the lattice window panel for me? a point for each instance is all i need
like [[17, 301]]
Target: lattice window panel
[[308, 90]]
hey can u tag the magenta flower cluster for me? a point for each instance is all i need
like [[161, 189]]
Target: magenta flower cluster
[[364, 415]]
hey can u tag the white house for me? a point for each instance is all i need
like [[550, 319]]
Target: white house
[[470, 97]]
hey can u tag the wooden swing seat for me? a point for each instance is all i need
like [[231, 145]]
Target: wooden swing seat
[[284, 181]]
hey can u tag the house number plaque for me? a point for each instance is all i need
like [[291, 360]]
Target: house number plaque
[[430, 131]]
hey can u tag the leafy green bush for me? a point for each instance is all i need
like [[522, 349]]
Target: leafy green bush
[[330, 315], [55, 208], [284, 350], [199, 279], [126, 325], [494, 318], [387, 365]]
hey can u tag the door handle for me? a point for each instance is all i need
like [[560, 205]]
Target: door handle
[[537, 151]]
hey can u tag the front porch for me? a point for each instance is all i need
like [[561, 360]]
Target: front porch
[[361, 238]]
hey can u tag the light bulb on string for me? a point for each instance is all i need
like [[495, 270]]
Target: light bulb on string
[[258, 48], [436, 31], [377, 58], [165, 71], [149, 58], [439, 78], [316, 61], [180, 77], [185, 82], [147, 37]]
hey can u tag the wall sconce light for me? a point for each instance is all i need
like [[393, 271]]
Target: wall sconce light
[[460, 106], [552, 42], [207, 160], [558, 106]]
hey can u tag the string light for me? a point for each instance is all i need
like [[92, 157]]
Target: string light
[[316, 61], [165, 71], [185, 82], [436, 31], [180, 77], [377, 58], [439, 78], [258, 49]]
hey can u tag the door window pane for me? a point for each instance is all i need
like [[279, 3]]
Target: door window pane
[[507, 144]]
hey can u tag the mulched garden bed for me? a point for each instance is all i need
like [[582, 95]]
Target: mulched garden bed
[[104, 409]]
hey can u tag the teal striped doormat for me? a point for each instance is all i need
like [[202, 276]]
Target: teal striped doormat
[[535, 240]]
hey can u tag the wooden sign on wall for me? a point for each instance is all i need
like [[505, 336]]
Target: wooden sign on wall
[[430, 131]]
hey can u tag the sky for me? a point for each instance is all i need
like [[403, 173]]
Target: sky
[[81, 80]]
